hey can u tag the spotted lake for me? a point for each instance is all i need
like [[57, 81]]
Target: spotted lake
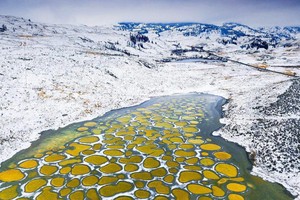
[[161, 149]]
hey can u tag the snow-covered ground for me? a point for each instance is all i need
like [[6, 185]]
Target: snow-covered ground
[[54, 75]]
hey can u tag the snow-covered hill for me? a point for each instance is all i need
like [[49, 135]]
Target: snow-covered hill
[[53, 75], [229, 33]]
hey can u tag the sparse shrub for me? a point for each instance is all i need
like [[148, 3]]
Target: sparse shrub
[[3, 28], [257, 43], [138, 38]]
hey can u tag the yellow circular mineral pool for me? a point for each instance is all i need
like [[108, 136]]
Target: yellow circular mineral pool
[[54, 158], [96, 159], [199, 189], [142, 194], [227, 169], [73, 183], [58, 181], [131, 167], [210, 175], [119, 188], [48, 170], [236, 187], [222, 155], [9, 193], [34, 185], [151, 163], [80, 169], [180, 194], [159, 172], [210, 147], [111, 168], [28, 164], [235, 197], [188, 176], [90, 180], [11, 175], [89, 139]]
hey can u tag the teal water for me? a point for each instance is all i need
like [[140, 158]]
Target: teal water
[[195, 60]]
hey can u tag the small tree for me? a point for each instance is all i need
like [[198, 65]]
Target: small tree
[[3, 28], [132, 39]]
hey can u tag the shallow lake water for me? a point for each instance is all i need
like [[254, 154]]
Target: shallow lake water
[[161, 149], [195, 60]]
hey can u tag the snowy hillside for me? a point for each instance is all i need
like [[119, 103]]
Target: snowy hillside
[[53, 75]]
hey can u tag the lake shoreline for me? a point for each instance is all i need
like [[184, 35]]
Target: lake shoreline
[[216, 107]]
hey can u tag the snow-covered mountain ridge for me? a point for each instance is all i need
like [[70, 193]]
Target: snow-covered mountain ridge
[[240, 35], [227, 29], [227, 33]]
